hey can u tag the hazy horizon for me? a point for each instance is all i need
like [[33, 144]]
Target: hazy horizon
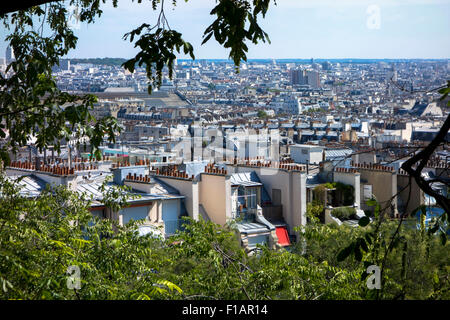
[[298, 29], [279, 59]]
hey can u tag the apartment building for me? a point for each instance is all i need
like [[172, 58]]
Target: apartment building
[[156, 204], [265, 200]]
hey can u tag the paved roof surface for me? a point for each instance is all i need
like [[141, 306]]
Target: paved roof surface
[[246, 179], [337, 153], [250, 179], [251, 227], [32, 186]]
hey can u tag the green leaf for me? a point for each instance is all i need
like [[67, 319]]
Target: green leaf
[[170, 285], [364, 275], [364, 245], [443, 236], [207, 38], [423, 209], [364, 221], [358, 253], [344, 253], [368, 238], [434, 228]]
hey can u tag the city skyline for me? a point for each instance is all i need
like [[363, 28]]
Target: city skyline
[[316, 169], [353, 29]]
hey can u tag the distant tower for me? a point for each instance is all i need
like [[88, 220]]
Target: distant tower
[[312, 60], [326, 66], [9, 55], [395, 76], [313, 79], [64, 64], [298, 76]]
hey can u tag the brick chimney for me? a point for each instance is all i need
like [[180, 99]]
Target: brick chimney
[[120, 173]]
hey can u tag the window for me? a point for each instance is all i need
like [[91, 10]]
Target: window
[[247, 197], [367, 188], [250, 194]]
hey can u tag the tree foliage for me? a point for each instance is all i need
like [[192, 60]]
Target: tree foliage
[[156, 52], [31, 105], [42, 237], [262, 114], [229, 28], [99, 61], [413, 261]]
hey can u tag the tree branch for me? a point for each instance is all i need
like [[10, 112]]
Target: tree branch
[[422, 158], [11, 6]]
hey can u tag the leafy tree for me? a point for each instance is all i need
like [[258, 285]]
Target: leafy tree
[[313, 110], [413, 262], [211, 86], [32, 105], [208, 263], [343, 213], [100, 61], [262, 114], [42, 237], [30, 102]]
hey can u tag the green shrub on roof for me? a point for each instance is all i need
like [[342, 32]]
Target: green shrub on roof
[[343, 213]]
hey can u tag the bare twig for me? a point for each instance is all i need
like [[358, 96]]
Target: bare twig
[[422, 158]]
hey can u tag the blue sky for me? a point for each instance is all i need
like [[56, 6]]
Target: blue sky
[[297, 28]]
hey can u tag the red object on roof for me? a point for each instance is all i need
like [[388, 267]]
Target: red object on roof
[[283, 236]]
